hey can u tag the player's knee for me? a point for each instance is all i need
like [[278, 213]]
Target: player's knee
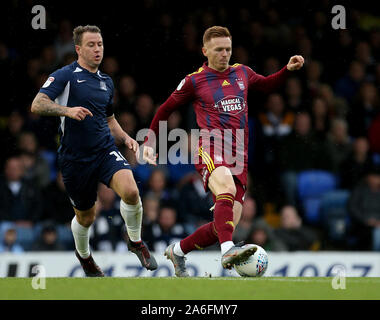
[[131, 196], [86, 220]]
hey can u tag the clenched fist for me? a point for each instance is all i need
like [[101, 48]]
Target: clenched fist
[[295, 63]]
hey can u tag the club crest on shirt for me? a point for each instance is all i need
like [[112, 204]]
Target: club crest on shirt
[[230, 105], [103, 85], [240, 83]]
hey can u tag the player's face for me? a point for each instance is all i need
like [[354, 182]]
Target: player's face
[[91, 49], [218, 52]]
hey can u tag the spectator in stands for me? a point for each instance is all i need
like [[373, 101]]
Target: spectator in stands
[[276, 124], [363, 54], [293, 234], [37, 169], [151, 206], [180, 166], [49, 61], [374, 134], [108, 226], [270, 65], [338, 143], [364, 209], [6, 66], [194, 203], [301, 150], [363, 110], [336, 106], [57, 206], [127, 93], [10, 135], [262, 234], [357, 164], [128, 122], [20, 199], [276, 121], [63, 43], [166, 230], [144, 109], [313, 78], [294, 95], [48, 240], [348, 85], [111, 67], [320, 118], [247, 220], [157, 185], [9, 242], [344, 49]]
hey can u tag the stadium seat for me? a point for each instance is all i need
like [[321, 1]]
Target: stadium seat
[[50, 157], [334, 214], [25, 236], [311, 186]]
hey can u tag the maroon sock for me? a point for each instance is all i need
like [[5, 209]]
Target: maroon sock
[[203, 237], [224, 216]]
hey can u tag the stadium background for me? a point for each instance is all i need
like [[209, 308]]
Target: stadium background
[[149, 47]]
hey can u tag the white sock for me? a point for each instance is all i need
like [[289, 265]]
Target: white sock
[[132, 215], [178, 250], [225, 246], [81, 238]]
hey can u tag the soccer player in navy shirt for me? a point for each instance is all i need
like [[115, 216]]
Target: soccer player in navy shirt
[[82, 97]]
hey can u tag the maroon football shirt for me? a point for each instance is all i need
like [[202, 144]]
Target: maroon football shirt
[[220, 103]]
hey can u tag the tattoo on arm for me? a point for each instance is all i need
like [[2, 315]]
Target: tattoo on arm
[[44, 106]]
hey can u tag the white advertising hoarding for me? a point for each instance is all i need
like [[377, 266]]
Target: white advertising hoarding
[[200, 264]]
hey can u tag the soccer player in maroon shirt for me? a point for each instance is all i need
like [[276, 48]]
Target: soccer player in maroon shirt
[[218, 92]]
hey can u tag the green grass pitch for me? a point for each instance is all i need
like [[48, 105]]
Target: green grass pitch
[[277, 288]]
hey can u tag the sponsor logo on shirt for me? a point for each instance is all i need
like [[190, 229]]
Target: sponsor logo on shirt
[[230, 105]]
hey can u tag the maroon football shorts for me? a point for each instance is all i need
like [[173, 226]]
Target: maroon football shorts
[[206, 166]]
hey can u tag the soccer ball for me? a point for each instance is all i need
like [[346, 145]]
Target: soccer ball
[[255, 265]]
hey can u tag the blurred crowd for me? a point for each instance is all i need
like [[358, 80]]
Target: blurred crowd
[[325, 117]]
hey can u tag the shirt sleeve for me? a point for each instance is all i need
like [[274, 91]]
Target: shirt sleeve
[[185, 91], [266, 84], [182, 95], [55, 84]]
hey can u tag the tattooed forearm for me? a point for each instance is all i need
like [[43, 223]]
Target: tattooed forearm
[[42, 105]]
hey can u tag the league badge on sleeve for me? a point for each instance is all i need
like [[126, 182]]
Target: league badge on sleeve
[[48, 82], [181, 84]]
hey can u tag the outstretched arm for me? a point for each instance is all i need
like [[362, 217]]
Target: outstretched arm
[[273, 81]]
